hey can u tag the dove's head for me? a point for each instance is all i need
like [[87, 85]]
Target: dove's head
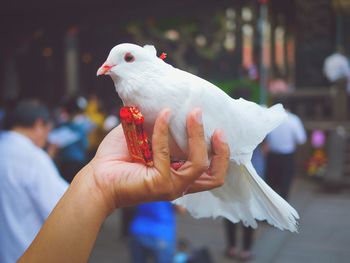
[[125, 59]]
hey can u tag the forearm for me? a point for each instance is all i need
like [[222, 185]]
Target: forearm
[[70, 231]]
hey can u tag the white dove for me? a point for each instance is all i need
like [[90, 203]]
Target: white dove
[[144, 80]]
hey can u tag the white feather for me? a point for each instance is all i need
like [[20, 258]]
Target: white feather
[[244, 197], [152, 85], [150, 49]]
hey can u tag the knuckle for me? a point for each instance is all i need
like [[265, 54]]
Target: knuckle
[[223, 151], [200, 133], [163, 151], [197, 134], [201, 167]]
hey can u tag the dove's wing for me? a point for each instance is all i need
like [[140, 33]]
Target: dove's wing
[[244, 196], [245, 123], [250, 125]]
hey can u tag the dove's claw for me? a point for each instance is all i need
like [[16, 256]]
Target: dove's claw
[[177, 165]]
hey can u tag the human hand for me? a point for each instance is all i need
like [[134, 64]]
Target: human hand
[[122, 182]]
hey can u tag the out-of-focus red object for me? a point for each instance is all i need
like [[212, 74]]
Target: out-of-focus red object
[[138, 144], [263, 1]]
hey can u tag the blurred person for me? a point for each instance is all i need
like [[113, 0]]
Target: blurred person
[[111, 181], [111, 121], [30, 185], [336, 68], [278, 84], [252, 72], [152, 233], [72, 139], [282, 144], [94, 112]]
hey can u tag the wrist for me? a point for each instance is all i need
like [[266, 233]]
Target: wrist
[[95, 196]]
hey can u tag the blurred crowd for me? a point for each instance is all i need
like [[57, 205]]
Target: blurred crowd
[[40, 153], [80, 124]]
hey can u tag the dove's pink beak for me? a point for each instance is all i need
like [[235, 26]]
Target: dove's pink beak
[[105, 68]]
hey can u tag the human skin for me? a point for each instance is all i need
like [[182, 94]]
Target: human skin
[[111, 180]]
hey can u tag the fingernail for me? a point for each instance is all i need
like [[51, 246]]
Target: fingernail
[[167, 115], [198, 115], [222, 136]]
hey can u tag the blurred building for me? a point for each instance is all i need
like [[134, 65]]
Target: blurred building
[[51, 49]]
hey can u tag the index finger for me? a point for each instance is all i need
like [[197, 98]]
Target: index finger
[[197, 162], [215, 176], [197, 146]]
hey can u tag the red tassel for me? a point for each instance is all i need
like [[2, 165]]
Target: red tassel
[[138, 144], [163, 56]]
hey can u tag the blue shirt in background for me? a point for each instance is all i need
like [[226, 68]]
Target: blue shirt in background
[[77, 150], [156, 219]]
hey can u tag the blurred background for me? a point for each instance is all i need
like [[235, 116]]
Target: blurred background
[[265, 50]]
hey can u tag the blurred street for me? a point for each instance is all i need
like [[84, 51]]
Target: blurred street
[[319, 239]]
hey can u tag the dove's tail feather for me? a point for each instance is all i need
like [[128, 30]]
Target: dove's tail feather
[[268, 204], [249, 198], [244, 197]]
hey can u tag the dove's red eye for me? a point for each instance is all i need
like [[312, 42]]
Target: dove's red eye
[[129, 57]]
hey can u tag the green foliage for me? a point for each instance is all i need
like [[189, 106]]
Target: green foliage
[[229, 86]]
